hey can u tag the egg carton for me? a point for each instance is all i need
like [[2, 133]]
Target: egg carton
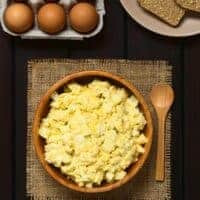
[[67, 34]]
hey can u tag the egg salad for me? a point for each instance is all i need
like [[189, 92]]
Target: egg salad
[[93, 132]]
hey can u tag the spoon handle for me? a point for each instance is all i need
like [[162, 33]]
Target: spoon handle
[[160, 161]]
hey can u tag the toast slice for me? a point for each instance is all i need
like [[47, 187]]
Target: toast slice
[[193, 5], [166, 10]]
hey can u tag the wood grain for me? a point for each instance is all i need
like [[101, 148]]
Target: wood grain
[[6, 117], [191, 117], [143, 44], [162, 97], [109, 44], [121, 38], [42, 111]]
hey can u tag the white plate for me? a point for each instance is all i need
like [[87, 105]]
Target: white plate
[[189, 26]]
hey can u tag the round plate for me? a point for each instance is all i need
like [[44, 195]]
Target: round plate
[[189, 26]]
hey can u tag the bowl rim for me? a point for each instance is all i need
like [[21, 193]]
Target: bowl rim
[[37, 120]]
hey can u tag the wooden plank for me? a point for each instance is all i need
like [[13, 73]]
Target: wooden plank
[[6, 117], [23, 51], [192, 119], [110, 42], [143, 44], [36, 49]]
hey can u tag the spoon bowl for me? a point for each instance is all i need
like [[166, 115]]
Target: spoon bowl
[[162, 96]]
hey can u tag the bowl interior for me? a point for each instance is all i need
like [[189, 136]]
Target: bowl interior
[[43, 109]]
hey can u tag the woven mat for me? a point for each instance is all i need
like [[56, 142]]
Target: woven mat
[[42, 74]]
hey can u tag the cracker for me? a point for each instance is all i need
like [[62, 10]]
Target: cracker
[[193, 5], [167, 10]]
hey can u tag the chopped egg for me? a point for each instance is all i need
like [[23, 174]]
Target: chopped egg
[[93, 132]]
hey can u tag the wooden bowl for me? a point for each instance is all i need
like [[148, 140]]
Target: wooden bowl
[[43, 108]]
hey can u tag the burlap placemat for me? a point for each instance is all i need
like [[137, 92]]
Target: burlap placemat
[[42, 74]]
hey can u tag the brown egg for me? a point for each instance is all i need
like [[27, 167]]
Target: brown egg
[[18, 17], [83, 17], [51, 18]]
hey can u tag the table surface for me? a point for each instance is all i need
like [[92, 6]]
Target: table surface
[[121, 38]]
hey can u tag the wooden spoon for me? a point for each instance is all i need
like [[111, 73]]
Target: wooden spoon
[[162, 97]]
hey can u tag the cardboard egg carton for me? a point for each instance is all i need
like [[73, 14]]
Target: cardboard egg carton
[[66, 34]]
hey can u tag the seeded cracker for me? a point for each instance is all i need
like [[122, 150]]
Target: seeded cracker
[[167, 10], [190, 4]]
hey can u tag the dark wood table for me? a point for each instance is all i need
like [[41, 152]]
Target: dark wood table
[[121, 38]]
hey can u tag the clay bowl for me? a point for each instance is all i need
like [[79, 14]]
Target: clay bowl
[[42, 110]]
